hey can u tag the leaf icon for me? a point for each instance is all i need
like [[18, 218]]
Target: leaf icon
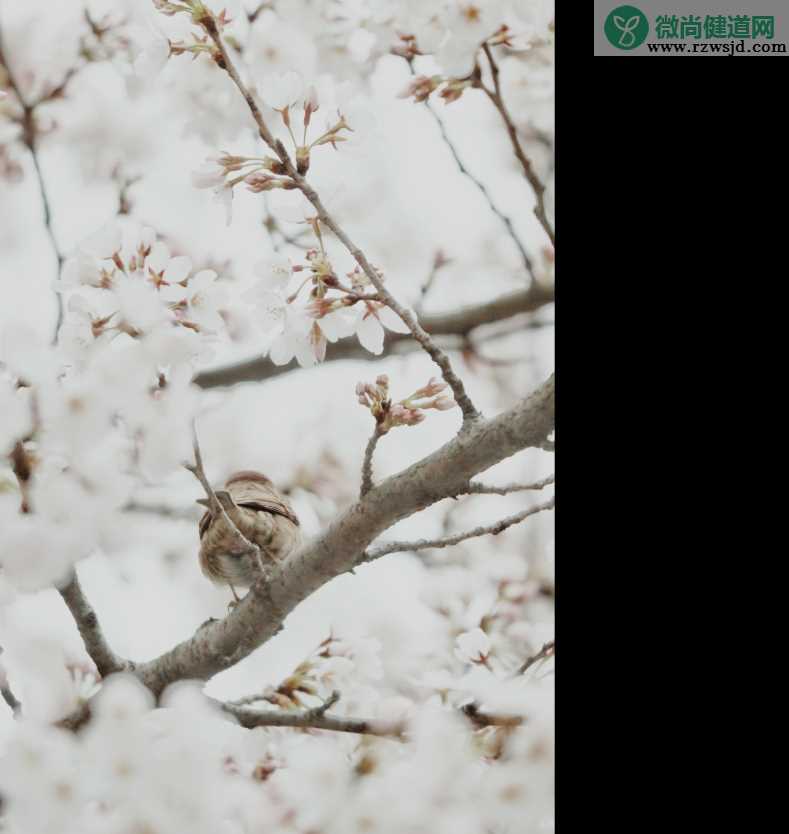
[[632, 23], [620, 21]]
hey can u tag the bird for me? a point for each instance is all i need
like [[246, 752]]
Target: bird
[[262, 514]]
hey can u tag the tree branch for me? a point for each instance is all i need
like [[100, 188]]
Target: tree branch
[[548, 650], [88, 626], [470, 413], [439, 261], [528, 170], [448, 541], [445, 472], [484, 719], [457, 323], [7, 692], [29, 135], [305, 719], [476, 488], [367, 465], [178, 513], [317, 719], [527, 262]]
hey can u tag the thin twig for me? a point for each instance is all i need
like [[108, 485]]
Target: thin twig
[[316, 719], [477, 488], [367, 465], [528, 169], [307, 719], [322, 709], [89, 629], [527, 262], [548, 650], [485, 719], [439, 261], [216, 506], [10, 698], [29, 134], [271, 225], [179, 513], [448, 541], [253, 15], [7, 692], [223, 59]]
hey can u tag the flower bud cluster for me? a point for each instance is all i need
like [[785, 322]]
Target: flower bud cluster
[[421, 87], [406, 412], [196, 9], [287, 94]]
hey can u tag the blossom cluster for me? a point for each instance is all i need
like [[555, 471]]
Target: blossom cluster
[[295, 102], [301, 322], [136, 288]]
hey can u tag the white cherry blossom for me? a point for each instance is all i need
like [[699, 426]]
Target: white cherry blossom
[[371, 319]]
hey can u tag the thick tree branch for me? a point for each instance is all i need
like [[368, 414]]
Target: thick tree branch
[[88, 626], [457, 323], [445, 472], [528, 170], [448, 541], [470, 413]]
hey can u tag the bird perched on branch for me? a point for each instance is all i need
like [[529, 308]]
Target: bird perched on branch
[[262, 514]]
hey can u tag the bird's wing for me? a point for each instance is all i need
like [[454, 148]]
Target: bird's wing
[[205, 523], [261, 497], [270, 506]]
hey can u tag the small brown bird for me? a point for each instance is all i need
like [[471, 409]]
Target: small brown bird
[[262, 514]]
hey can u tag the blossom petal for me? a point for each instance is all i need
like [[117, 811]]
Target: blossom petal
[[391, 321], [371, 334], [178, 268]]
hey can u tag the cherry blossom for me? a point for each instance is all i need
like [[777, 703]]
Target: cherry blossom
[[473, 646], [371, 319]]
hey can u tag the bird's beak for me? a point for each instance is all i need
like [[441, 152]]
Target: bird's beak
[[204, 502]]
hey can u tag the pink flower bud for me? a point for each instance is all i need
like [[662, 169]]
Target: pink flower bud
[[421, 87], [259, 181], [434, 386], [444, 403]]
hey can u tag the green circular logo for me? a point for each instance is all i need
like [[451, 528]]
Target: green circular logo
[[626, 27]]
